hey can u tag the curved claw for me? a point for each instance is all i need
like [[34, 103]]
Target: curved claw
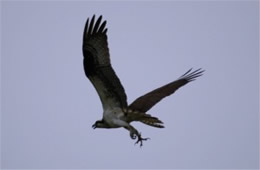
[[140, 139]]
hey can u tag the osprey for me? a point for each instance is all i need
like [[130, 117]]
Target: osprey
[[116, 112]]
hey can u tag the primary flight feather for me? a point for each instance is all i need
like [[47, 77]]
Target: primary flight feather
[[116, 112]]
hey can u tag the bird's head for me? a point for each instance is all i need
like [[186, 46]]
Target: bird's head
[[99, 124]]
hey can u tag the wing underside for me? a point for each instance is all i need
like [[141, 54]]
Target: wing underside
[[147, 101], [97, 65]]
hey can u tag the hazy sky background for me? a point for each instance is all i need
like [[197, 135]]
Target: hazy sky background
[[48, 105]]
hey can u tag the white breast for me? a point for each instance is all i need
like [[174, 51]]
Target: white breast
[[114, 117]]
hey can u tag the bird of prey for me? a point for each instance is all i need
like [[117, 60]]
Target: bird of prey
[[116, 112]]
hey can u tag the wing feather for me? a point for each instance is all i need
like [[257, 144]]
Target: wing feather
[[103, 25], [147, 101], [91, 25], [97, 25], [97, 65]]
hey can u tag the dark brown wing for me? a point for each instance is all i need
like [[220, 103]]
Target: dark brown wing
[[97, 65], [147, 101]]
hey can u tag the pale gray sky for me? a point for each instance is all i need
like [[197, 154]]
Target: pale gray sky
[[48, 105]]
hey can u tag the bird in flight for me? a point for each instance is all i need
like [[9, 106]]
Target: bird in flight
[[116, 112]]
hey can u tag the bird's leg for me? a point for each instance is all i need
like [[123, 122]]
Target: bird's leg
[[134, 133]]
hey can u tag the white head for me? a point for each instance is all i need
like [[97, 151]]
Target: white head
[[100, 124]]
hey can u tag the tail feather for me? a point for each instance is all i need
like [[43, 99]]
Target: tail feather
[[144, 118], [150, 123]]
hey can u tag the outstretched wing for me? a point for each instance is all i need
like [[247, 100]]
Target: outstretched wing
[[97, 65], [147, 101]]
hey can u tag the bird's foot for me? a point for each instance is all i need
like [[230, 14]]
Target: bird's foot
[[135, 134], [140, 139]]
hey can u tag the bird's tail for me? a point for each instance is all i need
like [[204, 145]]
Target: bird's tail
[[147, 119]]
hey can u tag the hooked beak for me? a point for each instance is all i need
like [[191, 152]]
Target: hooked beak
[[94, 126]]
